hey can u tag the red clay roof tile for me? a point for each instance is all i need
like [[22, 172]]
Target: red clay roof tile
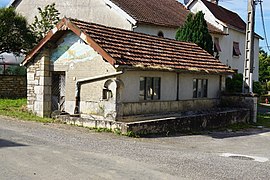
[[158, 12], [141, 50], [228, 17]]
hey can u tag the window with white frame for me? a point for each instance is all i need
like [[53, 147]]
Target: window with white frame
[[149, 88], [236, 49], [200, 87]]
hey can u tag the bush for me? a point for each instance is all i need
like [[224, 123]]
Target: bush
[[257, 88], [234, 84]]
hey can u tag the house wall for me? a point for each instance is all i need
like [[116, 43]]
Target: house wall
[[130, 104], [199, 6], [80, 61], [88, 10], [131, 83], [169, 32], [237, 62], [226, 42]]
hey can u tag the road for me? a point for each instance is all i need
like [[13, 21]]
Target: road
[[30, 150]]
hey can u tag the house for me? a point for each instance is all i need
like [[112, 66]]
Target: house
[[230, 48], [110, 73], [159, 18], [154, 17]]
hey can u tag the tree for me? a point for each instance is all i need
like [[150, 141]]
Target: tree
[[195, 30], [15, 36], [264, 66], [49, 17]]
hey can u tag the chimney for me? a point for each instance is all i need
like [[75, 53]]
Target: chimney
[[214, 1]]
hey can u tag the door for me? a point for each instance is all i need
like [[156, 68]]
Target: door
[[58, 91]]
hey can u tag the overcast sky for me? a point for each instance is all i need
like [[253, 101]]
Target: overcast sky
[[240, 7]]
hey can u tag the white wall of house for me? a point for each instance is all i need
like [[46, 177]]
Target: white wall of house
[[226, 42], [168, 32], [168, 90], [199, 6], [80, 61], [91, 11]]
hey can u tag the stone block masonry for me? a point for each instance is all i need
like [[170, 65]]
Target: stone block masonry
[[12, 86]]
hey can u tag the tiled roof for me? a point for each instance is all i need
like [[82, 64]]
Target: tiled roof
[[228, 17], [137, 50], [158, 12]]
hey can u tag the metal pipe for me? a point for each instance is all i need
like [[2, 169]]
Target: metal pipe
[[89, 80]]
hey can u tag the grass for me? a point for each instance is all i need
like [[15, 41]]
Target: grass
[[263, 120], [16, 108]]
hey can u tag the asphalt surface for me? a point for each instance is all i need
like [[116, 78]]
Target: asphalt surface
[[31, 150]]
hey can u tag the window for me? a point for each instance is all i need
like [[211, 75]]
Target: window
[[149, 88], [200, 87], [216, 45], [160, 34], [236, 49]]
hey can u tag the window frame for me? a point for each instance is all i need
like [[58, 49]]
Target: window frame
[[150, 88], [200, 88], [236, 49]]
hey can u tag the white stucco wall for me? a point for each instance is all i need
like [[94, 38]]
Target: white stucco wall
[[88, 10], [79, 61], [199, 6], [226, 42], [169, 32], [131, 80]]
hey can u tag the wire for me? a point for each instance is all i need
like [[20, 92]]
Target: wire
[[263, 24]]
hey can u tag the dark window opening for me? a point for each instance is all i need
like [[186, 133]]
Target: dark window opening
[[149, 88], [216, 45], [236, 49], [160, 34], [107, 94], [200, 87]]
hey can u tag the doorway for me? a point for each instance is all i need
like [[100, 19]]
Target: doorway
[[58, 91]]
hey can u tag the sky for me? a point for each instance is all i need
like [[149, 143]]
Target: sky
[[240, 7]]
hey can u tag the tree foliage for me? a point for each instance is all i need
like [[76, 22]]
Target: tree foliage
[[15, 36], [195, 30], [264, 66], [234, 84], [48, 18]]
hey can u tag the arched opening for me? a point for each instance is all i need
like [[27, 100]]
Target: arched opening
[[160, 34]]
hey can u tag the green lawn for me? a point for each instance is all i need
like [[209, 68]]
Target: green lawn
[[16, 108]]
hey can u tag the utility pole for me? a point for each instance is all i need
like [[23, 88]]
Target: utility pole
[[249, 47]]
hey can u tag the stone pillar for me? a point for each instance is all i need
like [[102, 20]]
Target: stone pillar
[[39, 85]]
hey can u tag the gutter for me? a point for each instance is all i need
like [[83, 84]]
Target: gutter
[[89, 80]]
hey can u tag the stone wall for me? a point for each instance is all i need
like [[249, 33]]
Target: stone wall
[[155, 107], [12, 86], [241, 101], [39, 85], [191, 123]]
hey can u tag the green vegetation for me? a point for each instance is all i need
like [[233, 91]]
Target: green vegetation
[[195, 30], [263, 120], [16, 108], [15, 36], [234, 84], [48, 18]]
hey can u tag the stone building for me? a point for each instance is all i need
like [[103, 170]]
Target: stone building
[[108, 73]]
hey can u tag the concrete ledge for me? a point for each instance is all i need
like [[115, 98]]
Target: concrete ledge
[[189, 123]]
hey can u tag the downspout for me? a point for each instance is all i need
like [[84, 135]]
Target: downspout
[[177, 91], [89, 80]]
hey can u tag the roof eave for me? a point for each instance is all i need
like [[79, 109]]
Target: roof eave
[[166, 69]]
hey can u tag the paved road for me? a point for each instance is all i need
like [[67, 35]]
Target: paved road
[[31, 150]]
